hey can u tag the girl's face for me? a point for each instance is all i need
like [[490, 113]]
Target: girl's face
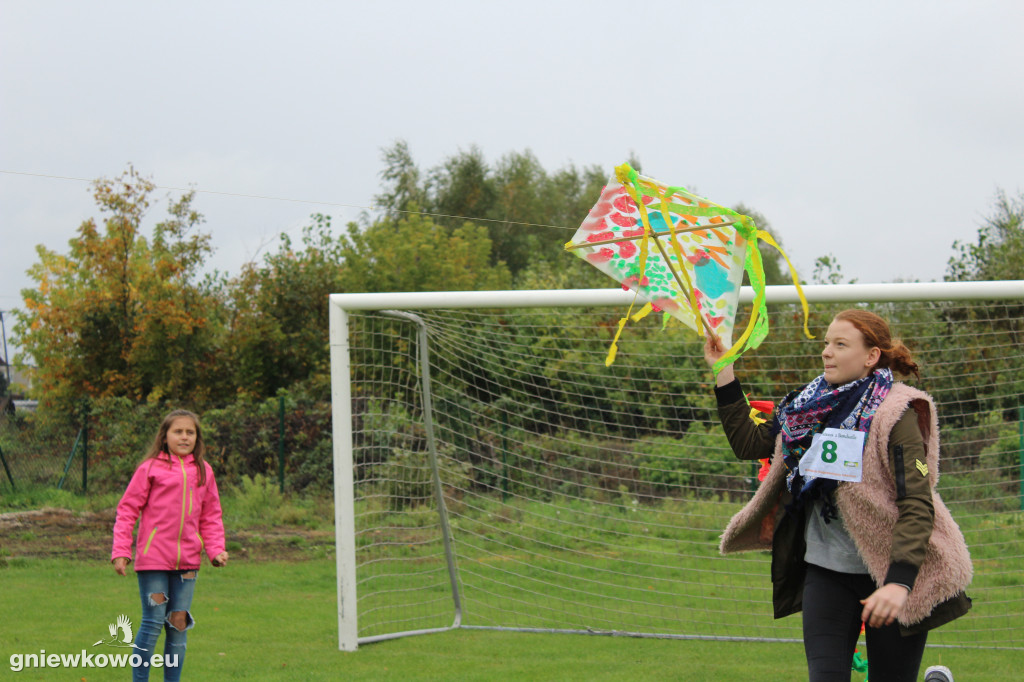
[[846, 356], [181, 436]]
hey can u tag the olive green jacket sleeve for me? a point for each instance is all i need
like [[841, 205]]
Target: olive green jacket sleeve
[[749, 440], [913, 501]]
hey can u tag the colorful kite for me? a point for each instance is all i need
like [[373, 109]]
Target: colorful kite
[[681, 254]]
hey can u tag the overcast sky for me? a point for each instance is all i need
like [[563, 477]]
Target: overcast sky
[[875, 131]]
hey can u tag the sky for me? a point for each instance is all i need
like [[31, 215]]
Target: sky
[[877, 132]]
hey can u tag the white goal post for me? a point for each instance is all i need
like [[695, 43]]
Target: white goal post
[[530, 488]]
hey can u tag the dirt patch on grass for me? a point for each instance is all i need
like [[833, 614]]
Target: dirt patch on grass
[[51, 532]]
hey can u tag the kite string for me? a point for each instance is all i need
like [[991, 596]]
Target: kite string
[[240, 195]]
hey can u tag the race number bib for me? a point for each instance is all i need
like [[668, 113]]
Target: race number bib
[[836, 454]]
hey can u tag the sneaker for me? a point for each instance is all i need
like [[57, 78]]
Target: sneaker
[[938, 673]]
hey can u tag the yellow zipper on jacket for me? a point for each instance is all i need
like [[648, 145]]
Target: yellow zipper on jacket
[[184, 499]]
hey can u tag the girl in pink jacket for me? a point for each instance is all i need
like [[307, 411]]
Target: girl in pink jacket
[[174, 497]]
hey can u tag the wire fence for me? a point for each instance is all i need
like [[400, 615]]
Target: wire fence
[[95, 448]]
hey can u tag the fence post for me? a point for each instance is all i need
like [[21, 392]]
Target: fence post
[[7, 469], [1020, 452], [280, 443], [71, 458], [85, 447]]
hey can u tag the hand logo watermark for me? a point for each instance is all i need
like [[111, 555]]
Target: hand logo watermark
[[122, 625], [121, 636]]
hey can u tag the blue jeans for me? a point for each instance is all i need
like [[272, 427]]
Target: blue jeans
[[166, 600]]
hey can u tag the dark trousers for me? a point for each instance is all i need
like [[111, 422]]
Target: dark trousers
[[831, 615]]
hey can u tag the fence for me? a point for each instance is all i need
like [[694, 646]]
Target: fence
[[97, 447], [55, 456]]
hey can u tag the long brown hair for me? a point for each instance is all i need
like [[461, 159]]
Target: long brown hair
[[159, 445], [894, 354]]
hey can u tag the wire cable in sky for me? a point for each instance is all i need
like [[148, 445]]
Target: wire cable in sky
[[296, 201]]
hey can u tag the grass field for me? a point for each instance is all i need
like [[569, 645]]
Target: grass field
[[277, 621]]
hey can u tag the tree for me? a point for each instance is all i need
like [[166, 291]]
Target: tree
[[827, 270], [462, 186], [527, 213], [402, 181], [118, 315], [279, 324], [998, 252], [415, 253]]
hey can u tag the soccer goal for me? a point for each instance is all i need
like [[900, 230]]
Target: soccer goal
[[491, 472]]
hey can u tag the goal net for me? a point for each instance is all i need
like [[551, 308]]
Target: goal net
[[530, 487]]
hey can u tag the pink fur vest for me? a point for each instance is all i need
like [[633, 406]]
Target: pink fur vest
[[869, 510]]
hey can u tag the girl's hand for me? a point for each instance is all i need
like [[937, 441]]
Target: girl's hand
[[714, 349], [220, 560], [882, 607], [121, 565]]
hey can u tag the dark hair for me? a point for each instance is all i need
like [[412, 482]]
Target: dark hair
[[159, 445], [894, 354]]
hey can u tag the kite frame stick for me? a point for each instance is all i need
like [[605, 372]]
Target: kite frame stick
[[655, 235], [679, 281]]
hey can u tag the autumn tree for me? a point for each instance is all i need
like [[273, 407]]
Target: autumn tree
[[120, 315]]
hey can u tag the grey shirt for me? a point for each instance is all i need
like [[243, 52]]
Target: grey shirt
[[829, 545]]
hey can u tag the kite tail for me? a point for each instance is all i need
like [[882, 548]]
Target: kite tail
[[757, 327], [792, 273], [636, 317]]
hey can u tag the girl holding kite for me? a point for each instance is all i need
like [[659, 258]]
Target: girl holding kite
[[849, 509]]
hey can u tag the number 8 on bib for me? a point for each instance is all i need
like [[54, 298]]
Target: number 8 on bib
[[835, 453]]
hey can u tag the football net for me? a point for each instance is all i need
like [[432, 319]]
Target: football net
[[533, 488]]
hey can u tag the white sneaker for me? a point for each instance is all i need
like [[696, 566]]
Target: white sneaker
[[938, 673]]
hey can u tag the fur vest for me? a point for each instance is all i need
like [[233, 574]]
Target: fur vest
[[869, 510]]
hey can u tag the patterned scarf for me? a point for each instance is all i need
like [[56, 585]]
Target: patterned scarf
[[817, 406]]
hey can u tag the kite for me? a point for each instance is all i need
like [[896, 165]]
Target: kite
[[682, 255]]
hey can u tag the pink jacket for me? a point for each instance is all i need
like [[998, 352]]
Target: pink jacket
[[178, 518]]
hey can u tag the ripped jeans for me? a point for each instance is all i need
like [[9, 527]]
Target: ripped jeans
[[166, 600]]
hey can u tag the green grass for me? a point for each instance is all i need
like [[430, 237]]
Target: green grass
[[277, 621], [579, 564]]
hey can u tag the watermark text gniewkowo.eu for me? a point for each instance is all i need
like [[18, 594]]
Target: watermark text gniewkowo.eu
[[86, 659]]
